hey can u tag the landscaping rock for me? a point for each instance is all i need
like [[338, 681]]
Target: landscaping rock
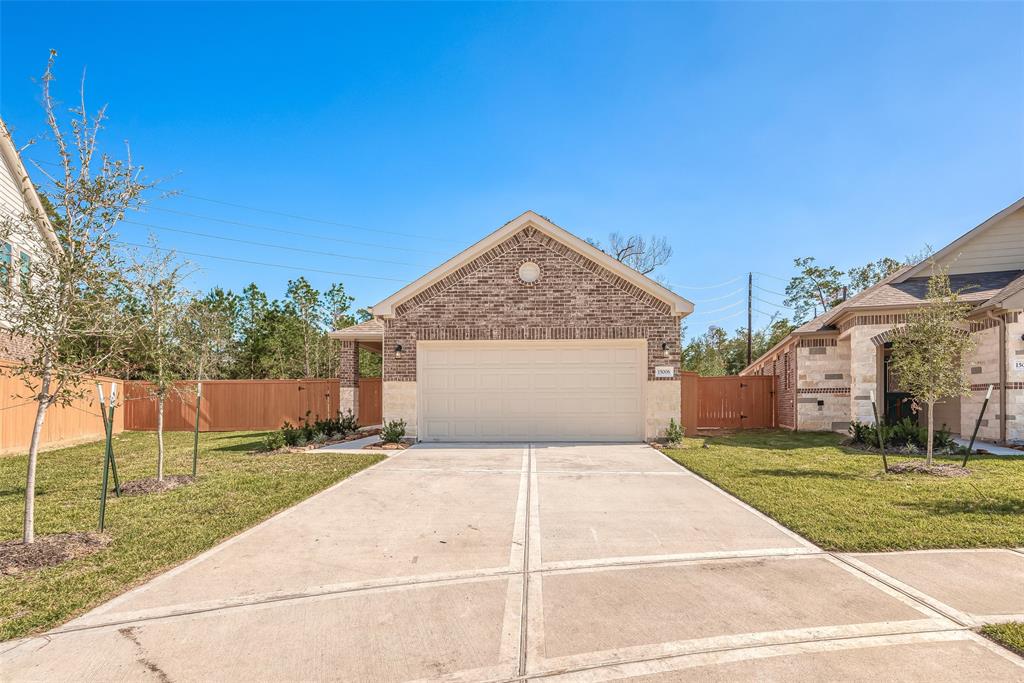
[[388, 446], [141, 487], [48, 551]]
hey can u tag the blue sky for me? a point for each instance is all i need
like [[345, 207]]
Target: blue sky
[[748, 134]]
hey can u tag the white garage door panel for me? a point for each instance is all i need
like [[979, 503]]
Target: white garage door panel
[[536, 391]]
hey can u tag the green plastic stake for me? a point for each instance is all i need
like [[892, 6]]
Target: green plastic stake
[[878, 430], [106, 465], [110, 445], [195, 439]]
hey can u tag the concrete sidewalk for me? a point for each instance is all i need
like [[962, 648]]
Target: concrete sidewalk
[[510, 562]]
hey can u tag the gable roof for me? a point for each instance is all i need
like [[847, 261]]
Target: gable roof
[[907, 288], [958, 244], [370, 330], [9, 155], [678, 305]]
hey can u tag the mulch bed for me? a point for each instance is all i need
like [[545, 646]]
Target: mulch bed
[[140, 487], [48, 551], [384, 446], [353, 436], [937, 469]]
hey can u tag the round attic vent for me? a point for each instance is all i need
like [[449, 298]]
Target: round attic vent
[[529, 272]]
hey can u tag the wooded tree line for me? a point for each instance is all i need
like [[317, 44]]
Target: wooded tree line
[[249, 335], [812, 291]]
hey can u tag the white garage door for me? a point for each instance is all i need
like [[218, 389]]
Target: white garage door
[[531, 391]]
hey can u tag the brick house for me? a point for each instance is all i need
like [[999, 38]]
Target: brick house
[[530, 334], [827, 368]]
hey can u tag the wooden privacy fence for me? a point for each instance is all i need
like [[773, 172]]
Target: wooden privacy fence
[[371, 406], [64, 425], [233, 405], [728, 402]]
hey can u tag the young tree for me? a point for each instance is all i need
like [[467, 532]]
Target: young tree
[[927, 354], [157, 282], [66, 300]]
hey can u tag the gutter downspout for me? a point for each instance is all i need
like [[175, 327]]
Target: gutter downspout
[[1002, 374]]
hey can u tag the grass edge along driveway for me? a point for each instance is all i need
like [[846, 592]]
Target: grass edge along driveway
[[840, 499], [151, 533]]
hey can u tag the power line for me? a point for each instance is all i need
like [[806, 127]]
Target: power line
[[295, 233], [772, 303], [723, 308], [265, 244], [774, 277], [770, 291], [258, 263], [312, 220], [721, 284], [715, 322], [718, 298]]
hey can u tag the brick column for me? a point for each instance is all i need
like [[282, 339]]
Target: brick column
[[348, 374]]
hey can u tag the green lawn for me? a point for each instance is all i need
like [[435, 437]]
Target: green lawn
[[149, 533], [1008, 635], [840, 499]]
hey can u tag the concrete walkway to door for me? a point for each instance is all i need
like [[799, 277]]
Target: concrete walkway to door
[[488, 562]]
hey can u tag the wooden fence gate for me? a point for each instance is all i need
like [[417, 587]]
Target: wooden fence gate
[[728, 402], [371, 406]]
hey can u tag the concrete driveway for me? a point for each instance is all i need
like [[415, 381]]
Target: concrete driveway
[[471, 562]]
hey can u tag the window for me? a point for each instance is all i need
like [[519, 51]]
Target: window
[[25, 263], [5, 263]]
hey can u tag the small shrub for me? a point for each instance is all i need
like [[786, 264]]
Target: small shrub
[[393, 431], [347, 423], [907, 433], [291, 434], [944, 440], [674, 433], [273, 441]]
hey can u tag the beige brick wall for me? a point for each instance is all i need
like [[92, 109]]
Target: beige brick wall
[[823, 375], [864, 370], [399, 403]]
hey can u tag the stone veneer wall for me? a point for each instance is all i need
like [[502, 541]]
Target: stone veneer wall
[[982, 369], [823, 384], [574, 298], [864, 371]]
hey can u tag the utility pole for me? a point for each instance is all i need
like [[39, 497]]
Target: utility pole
[[750, 318]]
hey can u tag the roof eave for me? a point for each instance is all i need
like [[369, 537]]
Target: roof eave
[[680, 306]]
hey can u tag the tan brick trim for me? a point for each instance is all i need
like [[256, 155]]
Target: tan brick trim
[[997, 387], [817, 341], [836, 391], [878, 319], [987, 324], [528, 333]]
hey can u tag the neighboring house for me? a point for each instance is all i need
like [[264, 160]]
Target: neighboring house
[[827, 368], [530, 334], [18, 202]]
